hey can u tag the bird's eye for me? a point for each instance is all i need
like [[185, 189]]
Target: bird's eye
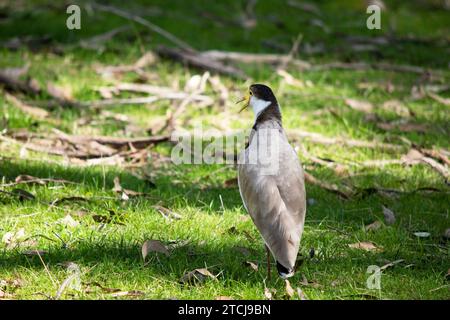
[[251, 93]]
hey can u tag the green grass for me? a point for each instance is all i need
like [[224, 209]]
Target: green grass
[[109, 253]]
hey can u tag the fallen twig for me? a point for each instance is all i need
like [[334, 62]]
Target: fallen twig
[[160, 92], [29, 87], [200, 61], [147, 59], [273, 59], [327, 186], [124, 14], [34, 112], [318, 138], [444, 101], [367, 66]]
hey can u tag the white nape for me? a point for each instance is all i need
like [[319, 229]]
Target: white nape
[[258, 105]]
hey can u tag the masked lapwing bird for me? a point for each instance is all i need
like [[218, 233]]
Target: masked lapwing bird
[[271, 181]]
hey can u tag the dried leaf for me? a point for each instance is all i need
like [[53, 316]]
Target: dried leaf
[[11, 284], [289, 291], [301, 294], [5, 295], [252, 265], [166, 213], [422, 234], [389, 216], [11, 238], [69, 221], [268, 294], [153, 246], [223, 298], [359, 105], [132, 293], [368, 246], [373, 226], [197, 275]]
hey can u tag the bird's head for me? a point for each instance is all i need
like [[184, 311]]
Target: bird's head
[[259, 97]]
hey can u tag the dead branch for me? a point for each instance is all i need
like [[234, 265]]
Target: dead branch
[[439, 168], [34, 112], [200, 61], [12, 84], [160, 92], [40, 181], [108, 102], [114, 142], [444, 101], [327, 186], [153, 27], [318, 138], [146, 60], [241, 57], [95, 42], [367, 66], [81, 147]]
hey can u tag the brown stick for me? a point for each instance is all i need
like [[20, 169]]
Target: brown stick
[[367, 66], [114, 142], [199, 61], [109, 102], [124, 14], [273, 59], [330, 187], [444, 101], [318, 138], [29, 87], [160, 92], [34, 112]]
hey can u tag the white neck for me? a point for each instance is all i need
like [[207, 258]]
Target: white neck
[[258, 105]]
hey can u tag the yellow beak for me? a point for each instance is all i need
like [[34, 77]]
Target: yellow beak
[[246, 101]]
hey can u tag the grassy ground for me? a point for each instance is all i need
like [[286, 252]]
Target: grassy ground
[[210, 233]]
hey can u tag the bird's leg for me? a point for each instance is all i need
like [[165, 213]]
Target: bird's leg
[[268, 263]]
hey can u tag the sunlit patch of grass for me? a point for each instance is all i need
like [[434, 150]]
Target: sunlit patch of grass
[[109, 253]]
